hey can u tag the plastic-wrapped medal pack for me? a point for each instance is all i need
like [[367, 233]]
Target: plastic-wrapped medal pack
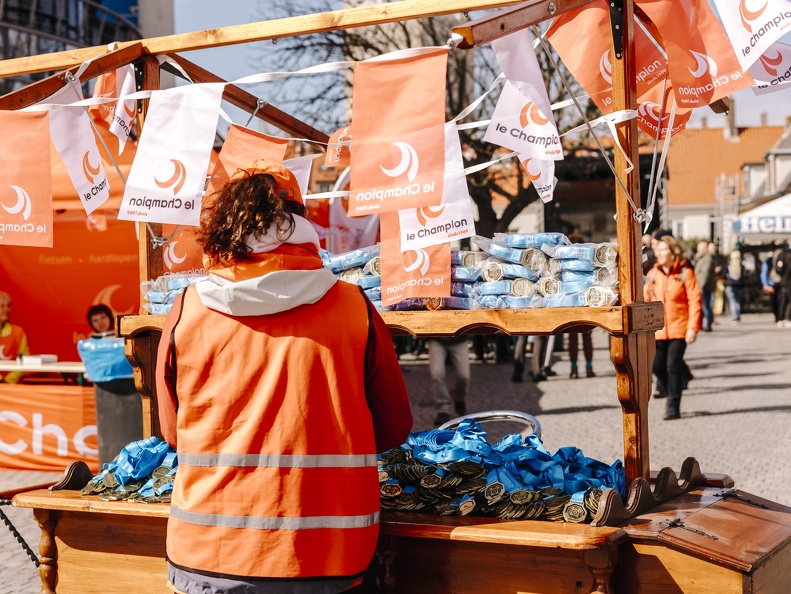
[[159, 294], [457, 472]]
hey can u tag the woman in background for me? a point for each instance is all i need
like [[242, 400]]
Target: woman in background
[[672, 281]]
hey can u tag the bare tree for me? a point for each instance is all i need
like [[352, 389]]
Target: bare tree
[[325, 100]]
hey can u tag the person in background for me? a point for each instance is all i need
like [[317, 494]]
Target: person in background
[[734, 285], [782, 268], [278, 385], [587, 349], [768, 282], [672, 281], [100, 318], [13, 341], [704, 271], [648, 252], [440, 350]]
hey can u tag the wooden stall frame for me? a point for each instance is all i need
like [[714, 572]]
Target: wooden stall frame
[[631, 323]]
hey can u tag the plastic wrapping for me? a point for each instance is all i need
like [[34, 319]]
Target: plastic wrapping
[[410, 304], [600, 296], [339, 262], [462, 289], [548, 285], [464, 274], [531, 240], [104, 359], [565, 300], [450, 303], [554, 266], [466, 258], [601, 254], [374, 294], [492, 270], [373, 267]]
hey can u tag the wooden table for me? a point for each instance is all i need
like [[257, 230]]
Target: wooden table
[[87, 543]]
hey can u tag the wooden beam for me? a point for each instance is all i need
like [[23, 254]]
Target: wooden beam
[[721, 105], [487, 29], [337, 20], [244, 100], [37, 91]]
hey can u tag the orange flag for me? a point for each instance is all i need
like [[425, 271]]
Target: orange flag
[[182, 254], [242, 146], [398, 110], [423, 272], [338, 156], [702, 63], [25, 179], [104, 87]]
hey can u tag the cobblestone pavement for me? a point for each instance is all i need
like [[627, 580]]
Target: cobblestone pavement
[[735, 419]]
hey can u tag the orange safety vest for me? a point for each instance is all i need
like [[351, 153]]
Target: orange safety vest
[[277, 469], [9, 345]]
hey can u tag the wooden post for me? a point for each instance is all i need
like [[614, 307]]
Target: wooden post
[[150, 257], [631, 354]]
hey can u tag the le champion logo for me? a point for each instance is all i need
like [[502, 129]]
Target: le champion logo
[[176, 181], [605, 67], [703, 64], [23, 203], [650, 110], [422, 262], [408, 164], [170, 257], [771, 64], [25, 206], [748, 16], [531, 114], [534, 177]]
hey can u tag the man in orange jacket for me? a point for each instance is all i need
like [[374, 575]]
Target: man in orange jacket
[[277, 385]]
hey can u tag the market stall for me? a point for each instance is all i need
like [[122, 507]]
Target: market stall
[[684, 535]]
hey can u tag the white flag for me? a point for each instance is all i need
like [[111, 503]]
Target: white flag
[[73, 138], [772, 71], [301, 168], [169, 171], [754, 25], [523, 120], [542, 176], [453, 218], [349, 233], [125, 111]]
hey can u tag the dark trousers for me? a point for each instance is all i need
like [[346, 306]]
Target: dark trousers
[[669, 365], [707, 298], [784, 302], [587, 346]]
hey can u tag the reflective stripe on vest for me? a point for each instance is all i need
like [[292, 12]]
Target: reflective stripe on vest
[[279, 523], [278, 460]]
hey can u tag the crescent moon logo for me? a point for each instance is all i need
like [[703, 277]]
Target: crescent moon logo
[[425, 212], [3, 356], [88, 169], [422, 262], [770, 63], [749, 15], [178, 178], [408, 163], [605, 67], [531, 113], [130, 112], [534, 177], [106, 296], [703, 63], [23, 203], [650, 110], [170, 257]]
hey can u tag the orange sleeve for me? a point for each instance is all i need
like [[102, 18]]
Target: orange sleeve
[[167, 399]]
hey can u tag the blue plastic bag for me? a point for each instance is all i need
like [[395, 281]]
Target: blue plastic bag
[[104, 359]]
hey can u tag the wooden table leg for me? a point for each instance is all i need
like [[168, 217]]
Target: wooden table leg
[[48, 551], [602, 563], [385, 578]]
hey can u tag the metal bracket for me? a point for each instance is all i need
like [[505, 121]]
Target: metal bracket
[[677, 523], [616, 22], [735, 494]]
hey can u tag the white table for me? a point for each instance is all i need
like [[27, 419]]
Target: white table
[[61, 367]]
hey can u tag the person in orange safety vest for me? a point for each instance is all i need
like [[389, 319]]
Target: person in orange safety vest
[[13, 341], [277, 385]]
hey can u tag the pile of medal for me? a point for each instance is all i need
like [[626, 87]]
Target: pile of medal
[[501, 481], [511, 271], [143, 472], [358, 267], [159, 294]]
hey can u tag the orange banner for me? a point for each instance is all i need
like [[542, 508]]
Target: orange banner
[[52, 289], [702, 63], [338, 156], [105, 87], [398, 115], [422, 272], [25, 183], [242, 146], [46, 428]]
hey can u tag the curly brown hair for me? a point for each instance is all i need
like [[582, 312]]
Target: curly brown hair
[[243, 207]]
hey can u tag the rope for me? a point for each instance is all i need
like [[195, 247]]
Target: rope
[[17, 535]]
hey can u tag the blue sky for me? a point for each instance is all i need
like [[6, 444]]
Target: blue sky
[[234, 61]]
